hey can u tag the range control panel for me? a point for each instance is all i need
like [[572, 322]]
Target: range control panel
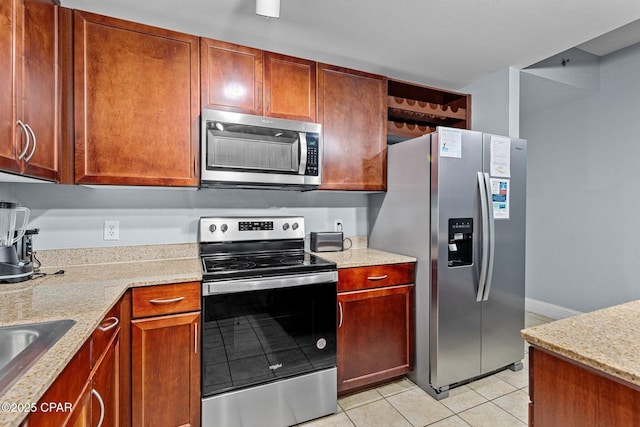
[[226, 229]]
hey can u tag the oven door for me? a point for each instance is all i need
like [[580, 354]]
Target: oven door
[[260, 331]]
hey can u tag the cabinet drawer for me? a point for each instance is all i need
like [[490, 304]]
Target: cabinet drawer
[[352, 279], [101, 336], [166, 299]]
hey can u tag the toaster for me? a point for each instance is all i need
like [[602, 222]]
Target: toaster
[[326, 241]]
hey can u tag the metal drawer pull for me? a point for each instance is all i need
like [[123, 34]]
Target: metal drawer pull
[[377, 277], [165, 301], [340, 307], [101, 402], [114, 323]]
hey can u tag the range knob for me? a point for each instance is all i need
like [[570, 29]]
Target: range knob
[[224, 228], [285, 226], [295, 226], [212, 228]]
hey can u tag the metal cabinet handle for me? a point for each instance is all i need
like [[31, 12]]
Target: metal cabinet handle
[[35, 143], [377, 277], [267, 96], [26, 146], [114, 323], [165, 301], [341, 314], [259, 98], [101, 402], [195, 340]]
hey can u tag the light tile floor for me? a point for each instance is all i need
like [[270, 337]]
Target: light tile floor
[[500, 400]]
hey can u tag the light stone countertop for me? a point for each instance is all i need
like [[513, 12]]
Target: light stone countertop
[[84, 294], [363, 257], [607, 340]]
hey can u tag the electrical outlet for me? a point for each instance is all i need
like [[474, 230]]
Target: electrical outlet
[[111, 230], [337, 225]]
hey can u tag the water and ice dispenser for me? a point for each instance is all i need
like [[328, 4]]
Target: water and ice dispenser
[[460, 242]]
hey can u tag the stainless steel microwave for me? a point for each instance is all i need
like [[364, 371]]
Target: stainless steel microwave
[[247, 151]]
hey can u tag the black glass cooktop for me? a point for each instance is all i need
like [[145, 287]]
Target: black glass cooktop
[[259, 264]]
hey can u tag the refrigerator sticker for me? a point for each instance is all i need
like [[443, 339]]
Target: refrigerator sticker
[[500, 198], [450, 143], [500, 156]]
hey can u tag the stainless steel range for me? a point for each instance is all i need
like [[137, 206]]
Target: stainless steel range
[[269, 324]]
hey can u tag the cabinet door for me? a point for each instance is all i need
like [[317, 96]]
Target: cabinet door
[[39, 105], [136, 103], [166, 371], [231, 77], [106, 388], [375, 335], [8, 127], [290, 87], [352, 111], [29, 88]]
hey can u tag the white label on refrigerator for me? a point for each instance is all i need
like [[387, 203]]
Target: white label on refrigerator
[[500, 156], [450, 143], [500, 190]]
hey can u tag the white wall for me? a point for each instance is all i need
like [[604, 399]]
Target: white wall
[[583, 192], [495, 103], [73, 216]]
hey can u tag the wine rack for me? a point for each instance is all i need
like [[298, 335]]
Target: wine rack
[[415, 110]]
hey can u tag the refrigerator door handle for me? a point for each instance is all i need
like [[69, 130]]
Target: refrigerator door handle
[[484, 213], [492, 238]]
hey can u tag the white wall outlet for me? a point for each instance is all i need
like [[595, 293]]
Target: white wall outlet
[[337, 225], [111, 230]]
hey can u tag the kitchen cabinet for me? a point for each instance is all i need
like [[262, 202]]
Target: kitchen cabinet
[[375, 324], [565, 393], [136, 103], [87, 390], [30, 97], [247, 80], [352, 108], [166, 355], [415, 110]]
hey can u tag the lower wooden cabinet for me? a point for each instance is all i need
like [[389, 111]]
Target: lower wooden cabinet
[[564, 393], [91, 392], [375, 325], [165, 357]]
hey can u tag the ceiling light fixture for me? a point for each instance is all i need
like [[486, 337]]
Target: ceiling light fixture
[[268, 8]]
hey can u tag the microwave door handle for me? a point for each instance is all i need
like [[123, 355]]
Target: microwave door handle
[[303, 153]]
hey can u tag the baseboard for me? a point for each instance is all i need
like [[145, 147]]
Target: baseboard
[[550, 310]]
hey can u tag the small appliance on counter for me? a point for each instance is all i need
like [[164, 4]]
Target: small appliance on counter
[[12, 267], [328, 241]]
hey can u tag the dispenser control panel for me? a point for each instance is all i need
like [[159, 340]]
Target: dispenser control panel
[[460, 242]]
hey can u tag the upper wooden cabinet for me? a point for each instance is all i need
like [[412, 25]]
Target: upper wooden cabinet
[[136, 103], [352, 110], [30, 96], [246, 80]]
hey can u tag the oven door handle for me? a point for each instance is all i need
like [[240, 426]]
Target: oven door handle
[[274, 282]]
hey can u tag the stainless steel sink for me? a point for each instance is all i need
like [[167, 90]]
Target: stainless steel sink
[[22, 345]]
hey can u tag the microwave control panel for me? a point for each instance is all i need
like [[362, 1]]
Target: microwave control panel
[[313, 140]]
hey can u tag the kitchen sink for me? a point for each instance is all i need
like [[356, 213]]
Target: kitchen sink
[[22, 345]]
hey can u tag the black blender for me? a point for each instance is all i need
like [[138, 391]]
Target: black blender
[[12, 268]]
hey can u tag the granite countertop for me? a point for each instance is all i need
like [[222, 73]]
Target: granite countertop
[[85, 294], [363, 257], [607, 340]]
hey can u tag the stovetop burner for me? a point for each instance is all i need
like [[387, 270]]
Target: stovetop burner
[[224, 266]]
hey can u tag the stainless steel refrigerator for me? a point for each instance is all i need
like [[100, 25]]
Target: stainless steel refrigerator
[[455, 201]]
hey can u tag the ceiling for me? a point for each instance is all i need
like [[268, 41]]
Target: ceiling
[[444, 43]]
